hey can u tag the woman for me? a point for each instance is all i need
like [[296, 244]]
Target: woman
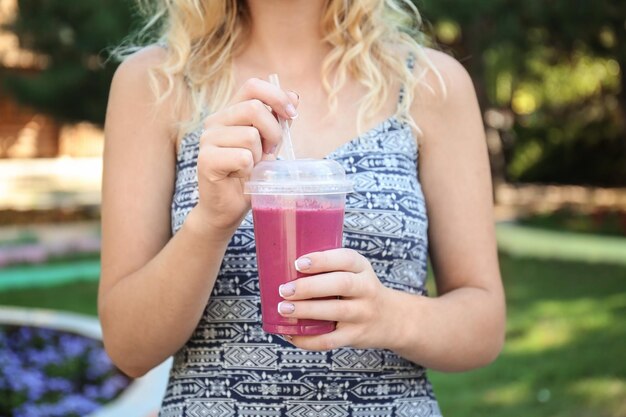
[[188, 119]]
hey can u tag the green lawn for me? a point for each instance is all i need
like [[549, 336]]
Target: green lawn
[[79, 297], [565, 353], [566, 346]]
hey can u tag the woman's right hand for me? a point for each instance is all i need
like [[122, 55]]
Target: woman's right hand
[[234, 140]]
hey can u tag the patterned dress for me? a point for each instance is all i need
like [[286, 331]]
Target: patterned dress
[[230, 367]]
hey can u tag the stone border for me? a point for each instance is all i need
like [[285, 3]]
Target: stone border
[[141, 398]]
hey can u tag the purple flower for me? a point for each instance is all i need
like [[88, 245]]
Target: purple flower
[[52, 373], [73, 345], [29, 381], [46, 356], [29, 410], [92, 391], [8, 359], [25, 334], [34, 384], [5, 258], [59, 384], [38, 252], [112, 386], [99, 364], [30, 254]]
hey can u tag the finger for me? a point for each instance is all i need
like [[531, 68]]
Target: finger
[[332, 284], [216, 164], [273, 96], [295, 100], [332, 310], [332, 260], [293, 97], [247, 137], [249, 113], [342, 337]]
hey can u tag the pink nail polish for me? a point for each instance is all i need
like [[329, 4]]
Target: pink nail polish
[[302, 264], [291, 111], [287, 290], [286, 308]]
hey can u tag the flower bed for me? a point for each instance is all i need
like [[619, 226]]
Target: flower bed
[[46, 372], [33, 252], [140, 399]]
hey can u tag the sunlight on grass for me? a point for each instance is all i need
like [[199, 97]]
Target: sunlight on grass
[[508, 395], [543, 335], [565, 326], [604, 393], [552, 324]]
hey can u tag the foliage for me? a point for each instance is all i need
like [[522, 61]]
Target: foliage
[[73, 37], [53, 373], [558, 68], [555, 68], [564, 319]]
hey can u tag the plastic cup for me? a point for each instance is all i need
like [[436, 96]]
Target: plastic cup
[[297, 208]]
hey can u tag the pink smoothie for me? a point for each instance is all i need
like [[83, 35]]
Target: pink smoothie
[[282, 235]]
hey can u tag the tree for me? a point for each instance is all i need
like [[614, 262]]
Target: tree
[[73, 36], [558, 68]]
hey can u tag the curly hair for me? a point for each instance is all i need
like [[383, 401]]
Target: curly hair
[[370, 42]]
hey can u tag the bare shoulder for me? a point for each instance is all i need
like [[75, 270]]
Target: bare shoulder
[[135, 85], [448, 70], [138, 65], [444, 97]]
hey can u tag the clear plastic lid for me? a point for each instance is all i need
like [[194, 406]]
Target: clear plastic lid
[[300, 176]]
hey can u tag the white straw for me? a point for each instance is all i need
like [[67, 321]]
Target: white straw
[[286, 134]]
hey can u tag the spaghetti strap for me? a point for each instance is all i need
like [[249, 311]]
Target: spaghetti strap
[[410, 64]]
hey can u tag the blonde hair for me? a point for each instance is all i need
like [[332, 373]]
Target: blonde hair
[[370, 39]]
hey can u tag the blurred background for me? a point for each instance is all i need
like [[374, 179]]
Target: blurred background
[[550, 78]]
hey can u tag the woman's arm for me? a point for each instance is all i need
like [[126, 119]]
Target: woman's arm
[[462, 328], [154, 288]]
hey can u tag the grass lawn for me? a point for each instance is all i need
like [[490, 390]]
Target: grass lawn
[[79, 297], [566, 346]]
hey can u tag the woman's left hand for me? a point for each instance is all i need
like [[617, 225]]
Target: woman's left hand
[[363, 313]]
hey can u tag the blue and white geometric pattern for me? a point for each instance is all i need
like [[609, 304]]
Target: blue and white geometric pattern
[[230, 367]]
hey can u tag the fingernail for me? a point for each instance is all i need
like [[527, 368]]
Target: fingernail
[[287, 290], [286, 308], [288, 337], [272, 150], [303, 264], [298, 95], [291, 111]]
